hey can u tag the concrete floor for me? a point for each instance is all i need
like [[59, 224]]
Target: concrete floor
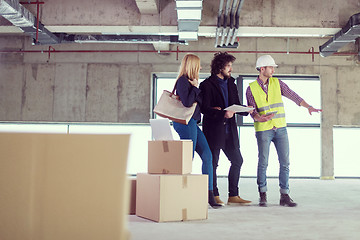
[[326, 210]]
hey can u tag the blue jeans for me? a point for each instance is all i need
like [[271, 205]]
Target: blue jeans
[[280, 138], [200, 145]]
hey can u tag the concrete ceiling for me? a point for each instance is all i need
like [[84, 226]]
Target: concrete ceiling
[[258, 18]]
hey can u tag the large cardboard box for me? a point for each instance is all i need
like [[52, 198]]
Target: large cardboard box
[[170, 157], [164, 198], [58, 186]]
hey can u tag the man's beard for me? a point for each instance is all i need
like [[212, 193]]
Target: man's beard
[[226, 74]]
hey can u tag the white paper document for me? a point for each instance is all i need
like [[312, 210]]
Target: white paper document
[[238, 108]]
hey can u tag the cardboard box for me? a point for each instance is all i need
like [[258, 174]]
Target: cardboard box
[[132, 209], [58, 186], [170, 157], [164, 198]]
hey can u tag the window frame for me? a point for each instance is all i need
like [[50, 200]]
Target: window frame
[[239, 82]]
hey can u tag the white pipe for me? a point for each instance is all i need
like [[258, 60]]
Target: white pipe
[[237, 19], [218, 29], [231, 30], [225, 30]]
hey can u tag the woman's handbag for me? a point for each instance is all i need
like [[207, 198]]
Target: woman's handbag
[[169, 106]]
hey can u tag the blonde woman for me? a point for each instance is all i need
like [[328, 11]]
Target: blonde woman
[[188, 91]]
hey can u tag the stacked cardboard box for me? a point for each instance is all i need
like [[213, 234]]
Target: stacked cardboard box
[[169, 192]]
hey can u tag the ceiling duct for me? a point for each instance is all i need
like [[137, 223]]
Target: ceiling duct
[[20, 17], [151, 39], [346, 35], [189, 17]]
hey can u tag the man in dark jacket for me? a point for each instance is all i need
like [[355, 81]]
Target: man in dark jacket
[[219, 126]]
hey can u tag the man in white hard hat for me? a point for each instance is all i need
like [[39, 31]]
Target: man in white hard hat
[[269, 121]]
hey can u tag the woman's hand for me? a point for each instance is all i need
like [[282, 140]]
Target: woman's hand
[[194, 82]]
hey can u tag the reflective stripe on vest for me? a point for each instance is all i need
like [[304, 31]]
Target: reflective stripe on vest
[[268, 103]]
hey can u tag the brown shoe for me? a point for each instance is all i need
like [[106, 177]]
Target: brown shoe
[[218, 201], [263, 200], [237, 200], [285, 200]]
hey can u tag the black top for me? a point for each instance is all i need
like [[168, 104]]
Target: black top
[[214, 122], [188, 95]]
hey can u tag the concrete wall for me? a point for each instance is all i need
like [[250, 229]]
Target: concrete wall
[[116, 87]]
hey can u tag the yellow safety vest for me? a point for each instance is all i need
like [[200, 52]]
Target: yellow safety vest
[[268, 103]]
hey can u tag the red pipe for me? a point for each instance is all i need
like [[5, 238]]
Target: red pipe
[[169, 51], [37, 18], [50, 49], [32, 2], [177, 51], [312, 53]]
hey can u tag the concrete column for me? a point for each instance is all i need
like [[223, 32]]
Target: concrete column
[[328, 78]]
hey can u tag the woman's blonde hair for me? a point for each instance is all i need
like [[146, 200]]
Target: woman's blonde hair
[[190, 67]]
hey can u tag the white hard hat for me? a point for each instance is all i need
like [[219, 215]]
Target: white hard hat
[[265, 61]]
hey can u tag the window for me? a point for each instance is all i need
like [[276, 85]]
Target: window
[[304, 129], [346, 155], [166, 82], [163, 82], [140, 135], [307, 87]]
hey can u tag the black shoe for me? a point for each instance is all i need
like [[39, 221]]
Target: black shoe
[[263, 200], [212, 201], [285, 200]]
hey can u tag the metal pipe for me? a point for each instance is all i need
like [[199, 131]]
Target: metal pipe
[[224, 33], [312, 53], [37, 21], [237, 21], [231, 30], [227, 9], [218, 29]]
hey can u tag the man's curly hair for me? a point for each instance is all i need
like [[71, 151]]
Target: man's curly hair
[[219, 61]]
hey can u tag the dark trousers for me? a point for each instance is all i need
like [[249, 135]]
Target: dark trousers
[[234, 156]]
